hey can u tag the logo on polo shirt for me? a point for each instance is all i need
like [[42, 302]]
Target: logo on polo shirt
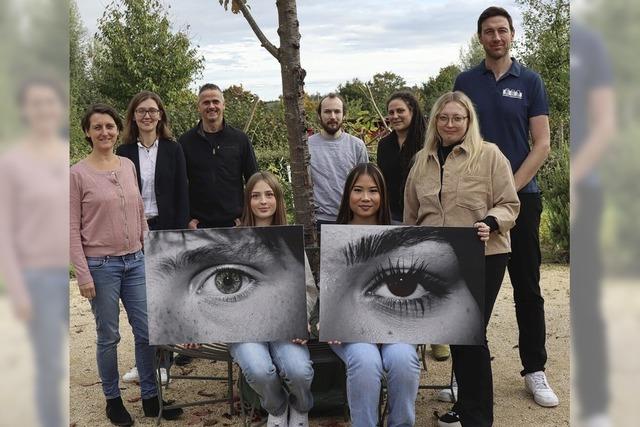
[[512, 93]]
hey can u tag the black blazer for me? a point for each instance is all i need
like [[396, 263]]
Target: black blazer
[[171, 187]]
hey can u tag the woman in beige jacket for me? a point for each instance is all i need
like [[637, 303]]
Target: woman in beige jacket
[[459, 180]]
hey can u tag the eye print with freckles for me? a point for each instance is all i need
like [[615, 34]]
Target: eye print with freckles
[[385, 284], [243, 284]]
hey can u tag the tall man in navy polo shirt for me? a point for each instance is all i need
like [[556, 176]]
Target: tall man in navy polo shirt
[[512, 105]]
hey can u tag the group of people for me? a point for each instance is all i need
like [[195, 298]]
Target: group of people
[[441, 172]]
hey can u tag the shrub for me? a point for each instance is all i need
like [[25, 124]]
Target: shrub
[[554, 182]]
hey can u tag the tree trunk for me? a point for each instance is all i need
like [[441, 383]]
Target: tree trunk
[[295, 117]]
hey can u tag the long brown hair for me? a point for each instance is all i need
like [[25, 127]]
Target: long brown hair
[[345, 214], [280, 215], [131, 131]]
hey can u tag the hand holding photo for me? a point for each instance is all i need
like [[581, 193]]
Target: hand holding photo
[[243, 284], [385, 284]]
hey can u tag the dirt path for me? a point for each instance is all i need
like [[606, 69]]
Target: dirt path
[[512, 404]]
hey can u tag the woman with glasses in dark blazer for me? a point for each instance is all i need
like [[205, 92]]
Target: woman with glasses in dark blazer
[[159, 162], [161, 169]]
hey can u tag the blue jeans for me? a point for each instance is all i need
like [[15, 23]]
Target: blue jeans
[[121, 278], [262, 362], [48, 329], [366, 366]]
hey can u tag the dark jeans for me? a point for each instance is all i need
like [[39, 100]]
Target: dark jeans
[[472, 363], [524, 271], [587, 324]]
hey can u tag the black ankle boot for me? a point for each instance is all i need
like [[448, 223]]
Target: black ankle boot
[[151, 407], [117, 413]]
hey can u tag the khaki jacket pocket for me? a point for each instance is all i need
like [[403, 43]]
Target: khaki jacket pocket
[[472, 192]]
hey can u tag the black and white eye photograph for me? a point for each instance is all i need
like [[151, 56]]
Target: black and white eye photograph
[[244, 284], [412, 284]]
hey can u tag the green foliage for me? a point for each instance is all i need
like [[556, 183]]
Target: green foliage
[[136, 50], [382, 85], [554, 181], [546, 49], [262, 121], [471, 54], [436, 86], [81, 91]]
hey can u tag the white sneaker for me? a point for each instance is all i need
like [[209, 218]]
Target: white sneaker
[[279, 420], [445, 395], [132, 376], [543, 395], [298, 419]]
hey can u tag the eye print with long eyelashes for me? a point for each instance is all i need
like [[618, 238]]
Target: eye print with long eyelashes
[[226, 282], [406, 290]]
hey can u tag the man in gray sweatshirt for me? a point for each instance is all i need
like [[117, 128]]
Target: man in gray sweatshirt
[[333, 154]]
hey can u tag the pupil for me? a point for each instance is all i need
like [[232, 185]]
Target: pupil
[[401, 286], [228, 282]]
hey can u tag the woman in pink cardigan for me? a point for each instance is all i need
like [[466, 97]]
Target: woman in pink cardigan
[[107, 226]]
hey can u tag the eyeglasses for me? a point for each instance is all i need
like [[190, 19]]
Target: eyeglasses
[[457, 120], [153, 112]]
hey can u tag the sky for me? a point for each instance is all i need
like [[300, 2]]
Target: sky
[[341, 39]]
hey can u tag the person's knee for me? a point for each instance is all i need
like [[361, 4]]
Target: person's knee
[[299, 372], [259, 372], [365, 364], [402, 362], [108, 337]]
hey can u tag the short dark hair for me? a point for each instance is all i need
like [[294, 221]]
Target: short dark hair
[[209, 86], [99, 109], [332, 95], [492, 11]]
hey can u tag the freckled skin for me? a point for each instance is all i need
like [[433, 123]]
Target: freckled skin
[[189, 316]]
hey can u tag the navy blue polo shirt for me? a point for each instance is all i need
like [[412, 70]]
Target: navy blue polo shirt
[[504, 108], [590, 70]]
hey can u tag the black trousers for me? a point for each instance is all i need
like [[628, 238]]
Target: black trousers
[[472, 363], [587, 324], [524, 271], [152, 223]]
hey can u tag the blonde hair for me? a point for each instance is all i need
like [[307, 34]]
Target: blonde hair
[[280, 215], [472, 137]]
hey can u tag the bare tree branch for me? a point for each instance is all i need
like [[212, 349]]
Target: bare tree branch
[[258, 32], [373, 102]]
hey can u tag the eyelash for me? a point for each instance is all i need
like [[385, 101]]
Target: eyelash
[[434, 287]]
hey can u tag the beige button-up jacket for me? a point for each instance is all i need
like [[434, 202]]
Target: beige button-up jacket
[[462, 199]]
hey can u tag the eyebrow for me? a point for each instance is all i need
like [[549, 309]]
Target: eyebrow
[[250, 246], [373, 245]]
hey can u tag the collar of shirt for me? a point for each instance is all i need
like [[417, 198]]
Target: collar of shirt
[[514, 69], [153, 146], [457, 149]]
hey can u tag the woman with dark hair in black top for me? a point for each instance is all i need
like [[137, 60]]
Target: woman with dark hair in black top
[[396, 150]]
